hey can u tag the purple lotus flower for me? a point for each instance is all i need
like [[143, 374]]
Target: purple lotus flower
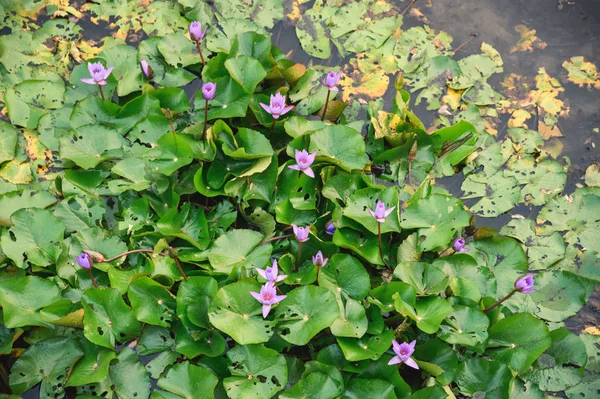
[[146, 69], [525, 284], [99, 74], [303, 162], [380, 212], [270, 273], [84, 261], [268, 297], [196, 32], [331, 79], [459, 245], [277, 107], [330, 228], [403, 352], [318, 260], [301, 233], [208, 90]]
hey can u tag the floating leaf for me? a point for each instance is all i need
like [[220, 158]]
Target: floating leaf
[[528, 40], [582, 72]]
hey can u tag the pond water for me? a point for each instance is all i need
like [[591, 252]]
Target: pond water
[[571, 31]]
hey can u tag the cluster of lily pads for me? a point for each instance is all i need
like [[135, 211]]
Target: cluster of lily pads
[[260, 242]]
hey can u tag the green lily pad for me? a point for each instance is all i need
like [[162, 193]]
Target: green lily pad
[[438, 218], [543, 180], [107, 318], [239, 249], [186, 380], [489, 379], [542, 252], [235, 312], [306, 311], [23, 297], [91, 145], [93, 366], [339, 145], [465, 326], [367, 347], [152, 303], [49, 362], [255, 371], [361, 389], [498, 193], [319, 381], [361, 200], [36, 237], [345, 273], [518, 340]]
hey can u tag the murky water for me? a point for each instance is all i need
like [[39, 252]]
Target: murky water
[[572, 31]]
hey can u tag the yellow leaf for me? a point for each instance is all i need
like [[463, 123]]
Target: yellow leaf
[[363, 79], [16, 173], [518, 118], [452, 98], [591, 330], [528, 40], [385, 124], [582, 73], [548, 131]]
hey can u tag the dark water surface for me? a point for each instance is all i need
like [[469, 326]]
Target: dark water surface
[[572, 31]]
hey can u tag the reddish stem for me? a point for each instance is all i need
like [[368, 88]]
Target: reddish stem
[[133, 251], [325, 108], [500, 301], [92, 277], [179, 267], [200, 52], [299, 253], [274, 239], [101, 93]]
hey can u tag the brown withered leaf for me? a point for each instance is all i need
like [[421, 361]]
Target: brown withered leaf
[[528, 41]]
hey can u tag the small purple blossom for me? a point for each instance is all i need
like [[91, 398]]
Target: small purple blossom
[[84, 261], [303, 162], [380, 212], [146, 69], [196, 32], [403, 352], [99, 74], [268, 297], [277, 106], [331, 79], [330, 228], [318, 260], [301, 233], [270, 273], [208, 90], [524, 285], [459, 245]]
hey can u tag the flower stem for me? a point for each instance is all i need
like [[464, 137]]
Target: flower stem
[[273, 124], [274, 239], [170, 116], [325, 108], [318, 270], [101, 93], [299, 253], [380, 244], [205, 119], [179, 267], [92, 277], [200, 52], [133, 251], [500, 301]]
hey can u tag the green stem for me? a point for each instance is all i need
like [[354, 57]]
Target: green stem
[[325, 108], [500, 301], [380, 244], [273, 124]]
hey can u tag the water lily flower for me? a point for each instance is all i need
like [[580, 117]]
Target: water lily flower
[[381, 212], [318, 260], [303, 162], [146, 69], [84, 261], [208, 90], [268, 297], [196, 32], [270, 273], [330, 80], [301, 233], [277, 106], [524, 285], [99, 74], [403, 352], [330, 228], [459, 245]]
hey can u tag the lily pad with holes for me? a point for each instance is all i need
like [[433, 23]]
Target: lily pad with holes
[[255, 371], [498, 193], [542, 252]]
